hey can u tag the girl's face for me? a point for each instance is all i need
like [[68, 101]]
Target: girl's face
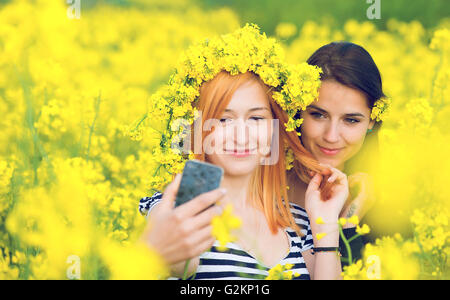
[[335, 126], [242, 135]]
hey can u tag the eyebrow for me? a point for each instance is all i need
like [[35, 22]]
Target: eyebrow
[[251, 109], [348, 115]]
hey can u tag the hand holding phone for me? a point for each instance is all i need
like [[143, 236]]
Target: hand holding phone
[[184, 232]]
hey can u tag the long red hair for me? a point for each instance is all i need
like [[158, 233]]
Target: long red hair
[[269, 192]]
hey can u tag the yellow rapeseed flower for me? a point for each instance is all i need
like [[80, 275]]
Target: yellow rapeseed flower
[[223, 225], [342, 221], [365, 229], [319, 221], [294, 87], [354, 220], [321, 235], [281, 272]]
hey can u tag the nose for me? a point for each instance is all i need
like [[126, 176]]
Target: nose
[[331, 134], [240, 133]]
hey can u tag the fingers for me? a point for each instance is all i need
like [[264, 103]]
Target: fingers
[[192, 245], [314, 184], [335, 174], [170, 192], [201, 241], [326, 169], [199, 203], [186, 231], [197, 248], [203, 246], [203, 219]]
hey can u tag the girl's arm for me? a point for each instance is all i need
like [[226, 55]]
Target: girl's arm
[[357, 207], [325, 264]]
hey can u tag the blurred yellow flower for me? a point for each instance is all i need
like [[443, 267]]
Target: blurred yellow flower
[[365, 229], [319, 221], [385, 260], [342, 221], [354, 220], [321, 235], [223, 225], [69, 90], [285, 30], [281, 272]]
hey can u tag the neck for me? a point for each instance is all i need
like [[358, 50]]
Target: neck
[[237, 188]]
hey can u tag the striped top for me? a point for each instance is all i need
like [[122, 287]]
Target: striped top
[[236, 264]]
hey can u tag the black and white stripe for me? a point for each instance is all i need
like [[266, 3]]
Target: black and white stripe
[[147, 203], [235, 263]]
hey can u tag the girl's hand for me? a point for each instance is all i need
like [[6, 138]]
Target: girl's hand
[[363, 201], [325, 265], [330, 209], [181, 233]]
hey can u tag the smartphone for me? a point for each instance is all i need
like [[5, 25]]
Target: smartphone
[[198, 178]]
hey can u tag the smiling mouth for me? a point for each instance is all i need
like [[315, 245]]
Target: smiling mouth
[[330, 152], [241, 152]]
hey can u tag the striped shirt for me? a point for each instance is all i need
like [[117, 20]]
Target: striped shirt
[[236, 264]]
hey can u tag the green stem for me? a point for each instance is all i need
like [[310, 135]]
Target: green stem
[[186, 269], [353, 238], [142, 120], [25, 83], [347, 245], [91, 129]]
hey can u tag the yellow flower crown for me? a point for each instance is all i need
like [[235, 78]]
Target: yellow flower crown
[[294, 88]]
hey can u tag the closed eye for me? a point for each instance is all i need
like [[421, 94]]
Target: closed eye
[[316, 115], [225, 120], [256, 118]]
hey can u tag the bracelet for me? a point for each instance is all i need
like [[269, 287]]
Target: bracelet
[[327, 249]]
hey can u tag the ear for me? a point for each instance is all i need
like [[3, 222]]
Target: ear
[[371, 124]]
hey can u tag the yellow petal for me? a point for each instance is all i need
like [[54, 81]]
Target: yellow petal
[[320, 236], [342, 221], [354, 220], [319, 220]]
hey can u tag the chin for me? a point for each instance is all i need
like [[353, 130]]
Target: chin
[[238, 166]]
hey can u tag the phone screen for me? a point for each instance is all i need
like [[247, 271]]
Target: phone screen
[[198, 178]]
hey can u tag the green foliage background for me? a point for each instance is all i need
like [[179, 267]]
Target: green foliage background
[[268, 13]]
